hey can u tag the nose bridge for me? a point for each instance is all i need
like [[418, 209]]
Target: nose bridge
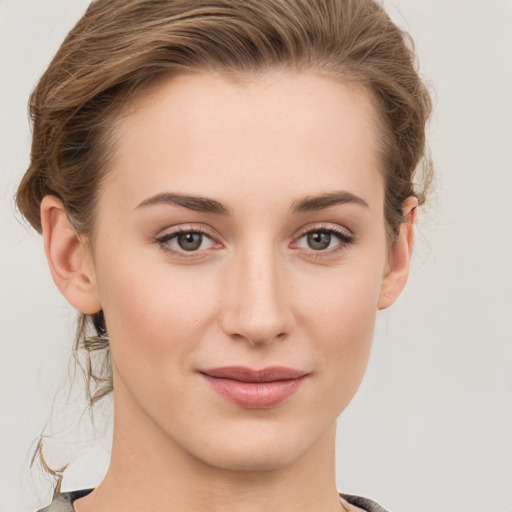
[[258, 309]]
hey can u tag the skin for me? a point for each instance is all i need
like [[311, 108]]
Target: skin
[[255, 293]]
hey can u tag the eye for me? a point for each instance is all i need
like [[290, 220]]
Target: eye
[[324, 239], [189, 241], [186, 241], [318, 240]]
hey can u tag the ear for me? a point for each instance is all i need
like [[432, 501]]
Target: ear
[[397, 270], [70, 261]]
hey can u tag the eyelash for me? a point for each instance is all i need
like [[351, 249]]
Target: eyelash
[[162, 241], [343, 237]]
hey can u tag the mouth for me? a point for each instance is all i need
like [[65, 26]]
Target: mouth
[[255, 389]]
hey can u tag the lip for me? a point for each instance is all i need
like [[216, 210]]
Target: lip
[[254, 389]]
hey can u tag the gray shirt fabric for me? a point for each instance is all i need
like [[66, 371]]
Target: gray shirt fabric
[[64, 502]]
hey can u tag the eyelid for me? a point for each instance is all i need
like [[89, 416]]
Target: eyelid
[[345, 236], [170, 233], [186, 228], [323, 226]]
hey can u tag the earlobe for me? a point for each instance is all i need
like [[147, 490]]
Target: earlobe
[[69, 259], [400, 254]]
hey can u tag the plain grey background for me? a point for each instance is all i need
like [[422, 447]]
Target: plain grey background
[[431, 426]]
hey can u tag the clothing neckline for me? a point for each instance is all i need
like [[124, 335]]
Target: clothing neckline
[[358, 501]]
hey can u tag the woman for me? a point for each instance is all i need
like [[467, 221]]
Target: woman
[[225, 191]]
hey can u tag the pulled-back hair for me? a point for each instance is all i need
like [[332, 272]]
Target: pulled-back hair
[[119, 47]]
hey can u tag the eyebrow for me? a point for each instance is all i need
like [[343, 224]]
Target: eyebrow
[[323, 201], [207, 205], [196, 203]]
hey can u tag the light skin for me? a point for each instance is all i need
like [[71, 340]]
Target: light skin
[[290, 270]]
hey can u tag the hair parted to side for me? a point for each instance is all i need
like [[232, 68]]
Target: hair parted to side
[[119, 47]]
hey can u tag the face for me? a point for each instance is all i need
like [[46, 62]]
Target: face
[[240, 257]]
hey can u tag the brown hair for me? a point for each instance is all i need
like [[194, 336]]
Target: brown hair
[[120, 46]]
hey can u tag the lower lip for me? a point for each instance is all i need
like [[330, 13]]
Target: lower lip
[[255, 395]]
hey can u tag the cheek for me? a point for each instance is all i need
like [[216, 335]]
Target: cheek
[[153, 312], [156, 319], [340, 318], [343, 301]]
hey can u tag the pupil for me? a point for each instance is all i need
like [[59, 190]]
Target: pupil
[[319, 240], [190, 241]]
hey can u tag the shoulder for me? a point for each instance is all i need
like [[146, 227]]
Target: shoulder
[[64, 501], [359, 504]]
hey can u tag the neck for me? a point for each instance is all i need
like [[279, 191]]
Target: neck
[[150, 471]]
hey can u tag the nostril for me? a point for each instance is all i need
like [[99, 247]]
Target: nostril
[[256, 340]]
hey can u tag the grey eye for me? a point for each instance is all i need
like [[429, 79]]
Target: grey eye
[[185, 241], [190, 241], [318, 240]]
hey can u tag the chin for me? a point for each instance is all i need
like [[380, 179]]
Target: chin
[[259, 449], [250, 460]]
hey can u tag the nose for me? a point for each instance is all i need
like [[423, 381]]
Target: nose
[[257, 305]]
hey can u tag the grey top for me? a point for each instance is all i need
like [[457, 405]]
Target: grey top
[[64, 502]]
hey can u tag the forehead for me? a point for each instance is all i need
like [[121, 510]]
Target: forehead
[[207, 135]]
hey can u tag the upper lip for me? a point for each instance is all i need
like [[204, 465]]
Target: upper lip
[[244, 374]]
